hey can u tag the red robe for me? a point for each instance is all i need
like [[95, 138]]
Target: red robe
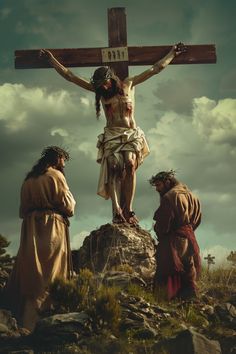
[[178, 259]]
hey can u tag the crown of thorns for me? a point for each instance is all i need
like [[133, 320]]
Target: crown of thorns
[[101, 75], [55, 150], [161, 176]]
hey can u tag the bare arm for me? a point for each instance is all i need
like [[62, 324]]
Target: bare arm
[[160, 65], [65, 72]]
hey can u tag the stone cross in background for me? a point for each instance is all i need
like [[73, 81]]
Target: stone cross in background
[[210, 261]]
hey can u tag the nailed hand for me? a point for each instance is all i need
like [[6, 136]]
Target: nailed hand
[[180, 48], [45, 54]]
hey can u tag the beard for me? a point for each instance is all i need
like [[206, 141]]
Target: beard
[[165, 190], [110, 92], [61, 169]]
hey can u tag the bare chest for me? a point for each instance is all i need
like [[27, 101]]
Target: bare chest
[[120, 106]]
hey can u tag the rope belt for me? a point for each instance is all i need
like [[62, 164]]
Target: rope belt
[[45, 209]]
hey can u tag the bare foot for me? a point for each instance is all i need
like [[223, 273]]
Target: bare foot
[[118, 218], [131, 218]]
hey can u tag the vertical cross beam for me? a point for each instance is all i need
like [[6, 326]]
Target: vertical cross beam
[[117, 37]]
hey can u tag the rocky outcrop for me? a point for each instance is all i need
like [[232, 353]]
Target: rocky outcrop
[[113, 245], [124, 257], [141, 316]]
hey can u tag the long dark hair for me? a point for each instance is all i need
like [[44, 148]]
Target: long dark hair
[[106, 94], [101, 75], [49, 157]]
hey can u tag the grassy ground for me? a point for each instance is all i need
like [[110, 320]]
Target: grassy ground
[[216, 286]]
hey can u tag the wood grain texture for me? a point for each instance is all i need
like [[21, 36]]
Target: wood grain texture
[[117, 37], [196, 54]]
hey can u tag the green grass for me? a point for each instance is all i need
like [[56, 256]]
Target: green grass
[[219, 283], [138, 291]]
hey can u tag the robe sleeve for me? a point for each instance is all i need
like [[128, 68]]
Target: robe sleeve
[[64, 200], [47, 191], [188, 209]]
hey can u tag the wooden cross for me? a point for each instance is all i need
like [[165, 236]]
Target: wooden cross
[[117, 55], [210, 260]]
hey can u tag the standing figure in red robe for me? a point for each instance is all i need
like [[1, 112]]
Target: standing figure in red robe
[[178, 258]]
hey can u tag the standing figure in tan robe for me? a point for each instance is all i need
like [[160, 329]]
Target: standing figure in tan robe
[[44, 253], [178, 258], [122, 146]]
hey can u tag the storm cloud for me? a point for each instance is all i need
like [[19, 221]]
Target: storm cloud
[[187, 112]]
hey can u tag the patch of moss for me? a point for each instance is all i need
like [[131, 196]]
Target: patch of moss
[[138, 291], [169, 327], [191, 316]]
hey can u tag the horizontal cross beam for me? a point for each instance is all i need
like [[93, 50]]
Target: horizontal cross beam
[[86, 57]]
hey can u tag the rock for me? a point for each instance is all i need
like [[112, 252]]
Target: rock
[[134, 316], [127, 323], [114, 245], [231, 309], [233, 350], [233, 299], [209, 310], [190, 342], [121, 279], [8, 324], [139, 316], [3, 275], [63, 327], [145, 333], [227, 314]]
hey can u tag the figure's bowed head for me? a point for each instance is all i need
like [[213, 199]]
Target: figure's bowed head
[[106, 85], [163, 181], [52, 156]]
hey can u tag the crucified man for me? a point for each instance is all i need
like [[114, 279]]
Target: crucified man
[[122, 147]]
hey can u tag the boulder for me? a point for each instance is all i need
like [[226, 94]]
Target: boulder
[[190, 342], [62, 327], [114, 245], [227, 314]]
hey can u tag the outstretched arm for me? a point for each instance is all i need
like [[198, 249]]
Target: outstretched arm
[[65, 72], [160, 65]]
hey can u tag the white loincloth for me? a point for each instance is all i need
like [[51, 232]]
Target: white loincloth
[[114, 141]]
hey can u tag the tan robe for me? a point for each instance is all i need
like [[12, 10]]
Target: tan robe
[[44, 252], [114, 141]]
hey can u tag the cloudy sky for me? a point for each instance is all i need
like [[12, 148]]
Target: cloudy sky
[[188, 112]]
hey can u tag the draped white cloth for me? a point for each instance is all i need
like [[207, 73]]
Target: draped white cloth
[[114, 141]]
